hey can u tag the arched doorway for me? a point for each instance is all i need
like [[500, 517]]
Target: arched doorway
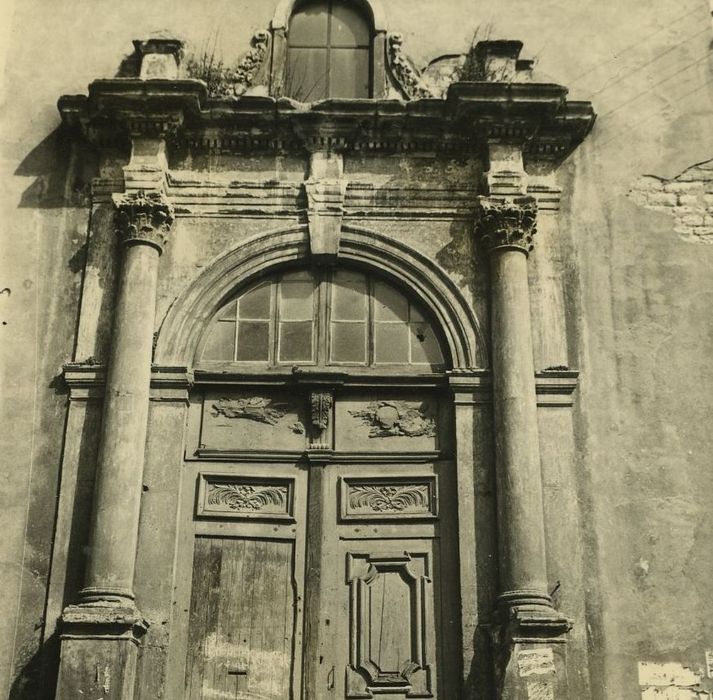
[[318, 554]]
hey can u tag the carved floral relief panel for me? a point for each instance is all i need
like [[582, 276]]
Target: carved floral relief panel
[[404, 498], [248, 420], [224, 495]]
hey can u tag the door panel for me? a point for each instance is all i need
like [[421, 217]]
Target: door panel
[[237, 628], [391, 622], [242, 619], [350, 546], [383, 607]]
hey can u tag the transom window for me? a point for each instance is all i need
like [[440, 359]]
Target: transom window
[[342, 317], [328, 51]]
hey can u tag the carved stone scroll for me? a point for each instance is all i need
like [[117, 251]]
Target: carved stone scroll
[[249, 66], [143, 217], [403, 666], [321, 405], [394, 498], [404, 72], [244, 497], [507, 222], [392, 418]]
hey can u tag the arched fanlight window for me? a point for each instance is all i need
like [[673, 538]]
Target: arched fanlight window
[[328, 51], [342, 317]]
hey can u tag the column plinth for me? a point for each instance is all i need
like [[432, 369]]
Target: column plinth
[[102, 630]]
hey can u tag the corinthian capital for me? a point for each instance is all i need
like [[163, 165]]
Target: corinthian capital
[[507, 222], [143, 217]]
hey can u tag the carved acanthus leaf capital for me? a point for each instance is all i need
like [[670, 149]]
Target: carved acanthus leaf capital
[[507, 222], [143, 217]]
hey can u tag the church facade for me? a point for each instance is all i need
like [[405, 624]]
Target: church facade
[[373, 376]]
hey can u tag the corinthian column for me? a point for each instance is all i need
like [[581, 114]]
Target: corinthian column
[[529, 626], [100, 633]]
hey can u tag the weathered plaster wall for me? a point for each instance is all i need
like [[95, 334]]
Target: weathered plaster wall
[[636, 287]]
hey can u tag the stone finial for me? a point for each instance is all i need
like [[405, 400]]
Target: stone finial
[[497, 61], [160, 57], [507, 222], [143, 217]]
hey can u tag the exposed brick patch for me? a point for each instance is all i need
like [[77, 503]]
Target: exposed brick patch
[[672, 681], [688, 196]]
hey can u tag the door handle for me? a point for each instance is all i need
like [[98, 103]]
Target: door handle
[[330, 679]]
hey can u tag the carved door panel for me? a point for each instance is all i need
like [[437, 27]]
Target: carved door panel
[[240, 585], [388, 624]]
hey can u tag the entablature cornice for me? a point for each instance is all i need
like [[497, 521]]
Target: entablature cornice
[[535, 116], [86, 380], [553, 387]]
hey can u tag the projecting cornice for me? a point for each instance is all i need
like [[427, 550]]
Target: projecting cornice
[[535, 116]]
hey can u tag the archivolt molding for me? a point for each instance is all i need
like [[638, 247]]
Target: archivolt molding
[[188, 316], [285, 8]]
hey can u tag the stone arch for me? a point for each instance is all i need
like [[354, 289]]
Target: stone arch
[[193, 309], [285, 8]]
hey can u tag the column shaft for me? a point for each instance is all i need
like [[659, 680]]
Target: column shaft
[[101, 633], [519, 483], [115, 521]]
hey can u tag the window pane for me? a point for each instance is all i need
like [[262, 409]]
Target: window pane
[[306, 74], [348, 342], [255, 303], [296, 300], [424, 346], [391, 342], [296, 341], [415, 314], [221, 342], [253, 341], [389, 304], [349, 73], [349, 27], [227, 313], [349, 297], [308, 26]]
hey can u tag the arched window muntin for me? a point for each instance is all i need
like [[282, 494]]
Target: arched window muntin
[[345, 317], [329, 51]]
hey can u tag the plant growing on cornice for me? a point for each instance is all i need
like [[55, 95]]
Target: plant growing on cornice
[[229, 81], [209, 67], [473, 68]]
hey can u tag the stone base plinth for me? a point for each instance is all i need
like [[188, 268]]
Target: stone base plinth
[[530, 654], [99, 644]]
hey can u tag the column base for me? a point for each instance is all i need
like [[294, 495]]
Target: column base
[[530, 653], [98, 651]]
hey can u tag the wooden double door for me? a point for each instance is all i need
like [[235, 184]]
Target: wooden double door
[[330, 574]]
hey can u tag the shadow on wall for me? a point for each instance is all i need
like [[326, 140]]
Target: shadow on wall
[[37, 681], [462, 260], [61, 178]]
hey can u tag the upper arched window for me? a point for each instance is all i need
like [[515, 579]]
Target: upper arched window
[[341, 317], [328, 51]]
